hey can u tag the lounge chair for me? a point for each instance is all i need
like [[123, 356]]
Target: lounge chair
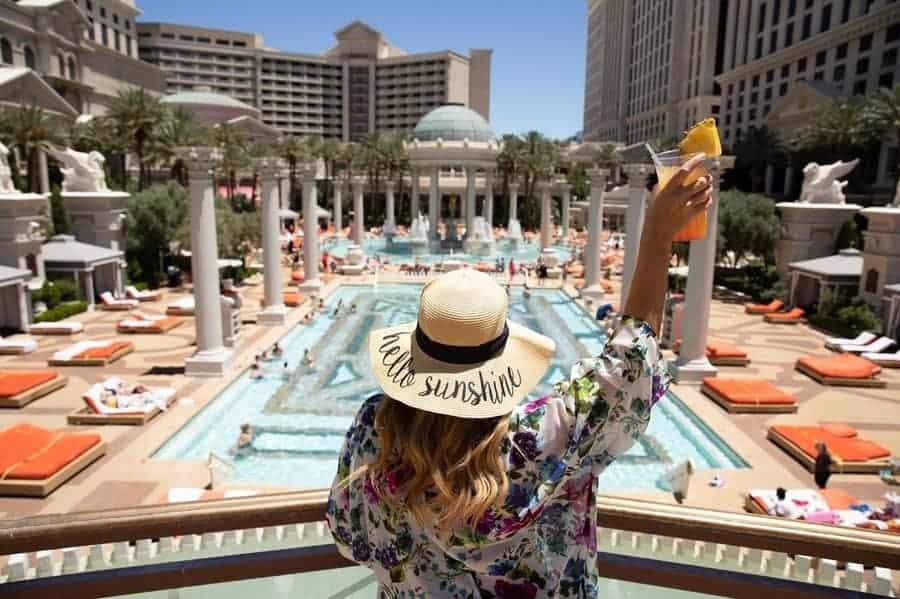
[[145, 406], [109, 303], [879, 345], [882, 359], [63, 327], [748, 396], [854, 454], [17, 346], [157, 326], [35, 461], [297, 276], [806, 501], [863, 338], [181, 307], [131, 292], [292, 299], [793, 316], [91, 353], [19, 388], [842, 370], [759, 309], [721, 353]]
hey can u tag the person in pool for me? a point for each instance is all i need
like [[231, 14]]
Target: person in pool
[[448, 486], [245, 439]]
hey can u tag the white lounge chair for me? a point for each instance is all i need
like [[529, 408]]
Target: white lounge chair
[[863, 338], [876, 347], [135, 408], [17, 345], [142, 296], [886, 360], [108, 302], [63, 327], [181, 307]]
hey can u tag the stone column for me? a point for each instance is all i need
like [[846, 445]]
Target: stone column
[[89, 287], [513, 202], [692, 365], [390, 220], [592, 253], [211, 358], [311, 282], [273, 312], [284, 186], [566, 206], [413, 196], [434, 201], [358, 232], [470, 200], [546, 216], [43, 172], [489, 201], [338, 208], [634, 220]]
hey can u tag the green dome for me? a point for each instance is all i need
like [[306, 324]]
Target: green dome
[[453, 123]]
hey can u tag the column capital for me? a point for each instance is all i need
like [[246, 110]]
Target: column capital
[[513, 186], [199, 160], [637, 174], [598, 176], [389, 186], [307, 175], [358, 184], [270, 168]]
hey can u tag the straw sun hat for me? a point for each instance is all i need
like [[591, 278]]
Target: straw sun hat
[[462, 357]]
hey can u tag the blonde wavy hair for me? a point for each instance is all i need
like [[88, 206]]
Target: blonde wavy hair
[[438, 467]]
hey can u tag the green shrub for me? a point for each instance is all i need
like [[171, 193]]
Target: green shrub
[[860, 316], [49, 293], [68, 290], [58, 214], [844, 317], [62, 311], [760, 282], [141, 286]]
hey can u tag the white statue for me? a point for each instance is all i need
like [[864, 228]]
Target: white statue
[[896, 203], [6, 181], [84, 171], [821, 185]]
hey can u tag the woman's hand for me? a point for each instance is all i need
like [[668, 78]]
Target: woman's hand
[[688, 193]]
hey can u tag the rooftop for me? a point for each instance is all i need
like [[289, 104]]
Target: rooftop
[[63, 249], [847, 263], [10, 275], [453, 122]]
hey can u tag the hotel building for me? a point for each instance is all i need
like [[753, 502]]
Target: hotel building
[[361, 85], [649, 74]]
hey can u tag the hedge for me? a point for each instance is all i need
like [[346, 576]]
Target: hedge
[[62, 312]]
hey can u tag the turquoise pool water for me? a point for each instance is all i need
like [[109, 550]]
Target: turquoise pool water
[[399, 251], [305, 417]]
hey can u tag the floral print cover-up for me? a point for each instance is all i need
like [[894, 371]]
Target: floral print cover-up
[[542, 541]]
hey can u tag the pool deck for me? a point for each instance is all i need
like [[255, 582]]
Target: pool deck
[[126, 476]]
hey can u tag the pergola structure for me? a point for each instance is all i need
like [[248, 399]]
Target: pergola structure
[[454, 136], [95, 269]]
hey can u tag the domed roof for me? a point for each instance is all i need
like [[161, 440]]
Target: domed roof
[[453, 123], [207, 98]]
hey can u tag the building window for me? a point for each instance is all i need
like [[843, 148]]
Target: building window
[[61, 64], [801, 66], [782, 89], [6, 52], [31, 264], [889, 58], [807, 27], [754, 97], [785, 71], [865, 43], [30, 60], [862, 66], [72, 70], [89, 4], [859, 88], [103, 12], [104, 34], [762, 17], [839, 72], [886, 80], [872, 281], [892, 34], [819, 75], [770, 75], [826, 18], [792, 8], [118, 42], [841, 52], [820, 58], [776, 12], [773, 41], [788, 35], [127, 25], [755, 81], [845, 14], [759, 47]]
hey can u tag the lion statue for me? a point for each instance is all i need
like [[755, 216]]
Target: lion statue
[[83, 171], [821, 184], [6, 180]]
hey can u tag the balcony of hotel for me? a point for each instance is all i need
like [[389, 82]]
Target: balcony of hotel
[[278, 546]]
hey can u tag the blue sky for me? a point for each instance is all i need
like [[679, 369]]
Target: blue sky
[[539, 45]]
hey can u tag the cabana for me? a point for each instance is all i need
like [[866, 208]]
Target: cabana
[[809, 277], [95, 269], [14, 305]]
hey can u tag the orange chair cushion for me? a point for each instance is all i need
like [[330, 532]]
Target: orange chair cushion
[[748, 391], [297, 276], [839, 429], [722, 349], [795, 314], [103, 352], [484, 267], [292, 298], [771, 307], [838, 499], [849, 450], [14, 383], [34, 453], [841, 366]]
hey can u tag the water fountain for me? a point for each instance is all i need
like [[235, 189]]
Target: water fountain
[[514, 233], [418, 235], [480, 242]]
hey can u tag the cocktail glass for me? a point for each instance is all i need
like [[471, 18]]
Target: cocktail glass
[[667, 164]]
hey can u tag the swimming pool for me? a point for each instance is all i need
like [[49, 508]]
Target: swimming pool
[[399, 250], [304, 419]]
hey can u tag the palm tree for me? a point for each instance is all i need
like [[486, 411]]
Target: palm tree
[[294, 151], [838, 129], [34, 131], [136, 115], [234, 150], [608, 157], [178, 128], [882, 114], [757, 149]]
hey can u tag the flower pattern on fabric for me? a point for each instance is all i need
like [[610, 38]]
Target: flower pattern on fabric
[[541, 541]]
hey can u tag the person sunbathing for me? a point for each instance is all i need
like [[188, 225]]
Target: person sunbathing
[[783, 507]]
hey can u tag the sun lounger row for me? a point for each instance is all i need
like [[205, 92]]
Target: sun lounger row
[[845, 370], [35, 461], [109, 303], [143, 322], [771, 313], [748, 396], [181, 307], [850, 453], [21, 387], [17, 345]]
